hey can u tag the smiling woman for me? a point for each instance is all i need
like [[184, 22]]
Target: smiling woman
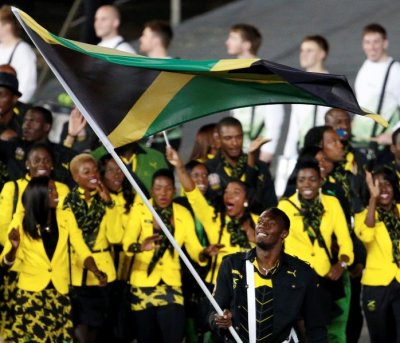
[[229, 224], [37, 249], [100, 224], [315, 218], [378, 227]]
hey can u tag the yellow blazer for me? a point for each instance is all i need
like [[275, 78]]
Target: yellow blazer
[[123, 260], [205, 214], [168, 268], [35, 268], [110, 232], [333, 221], [7, 199], [380, 269], [120, 206]]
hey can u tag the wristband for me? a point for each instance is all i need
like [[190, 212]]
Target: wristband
[[6, 262]]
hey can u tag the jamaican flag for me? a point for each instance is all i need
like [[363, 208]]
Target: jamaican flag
[[130, 96]]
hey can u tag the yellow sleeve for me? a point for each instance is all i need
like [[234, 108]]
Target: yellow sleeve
[[205, 214], [6, 213], [192, 243], [62, 190], [341, 230], [75, 236], [114, 229], [365, 233], [132, 231]]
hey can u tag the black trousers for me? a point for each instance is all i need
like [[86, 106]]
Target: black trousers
[[160, 324], [355, 321], [381, 306]]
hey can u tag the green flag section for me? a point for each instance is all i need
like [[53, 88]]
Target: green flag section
[[130, 96]]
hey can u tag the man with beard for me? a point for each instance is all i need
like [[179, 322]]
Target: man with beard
[[282, 291], [231, 162]]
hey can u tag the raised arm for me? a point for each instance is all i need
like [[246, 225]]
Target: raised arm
[[374, 191], [184, 178]]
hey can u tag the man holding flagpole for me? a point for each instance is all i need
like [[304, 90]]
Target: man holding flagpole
[[267, 295]]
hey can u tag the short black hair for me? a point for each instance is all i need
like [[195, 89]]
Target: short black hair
[[309, 152], [46, 114], [278, 215], [228, 121], [330, 114], [193, 164], [307, 163], [40, 146], [315, 136], [164, 172], [390, 176]]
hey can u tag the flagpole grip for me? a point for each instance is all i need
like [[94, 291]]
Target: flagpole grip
[[166, 139]]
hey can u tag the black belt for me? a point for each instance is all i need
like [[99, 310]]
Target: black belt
[[101, 250]]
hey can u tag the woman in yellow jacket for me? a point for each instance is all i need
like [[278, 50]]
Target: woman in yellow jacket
[[100, 223], [232, 229], [39, 238], [157, 300], [378, 227], [314, 218], [39, 162]]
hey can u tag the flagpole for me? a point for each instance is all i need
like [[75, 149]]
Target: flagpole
[[109, 147], [166, 139]]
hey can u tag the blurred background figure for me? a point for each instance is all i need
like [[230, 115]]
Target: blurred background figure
[[17, 53]]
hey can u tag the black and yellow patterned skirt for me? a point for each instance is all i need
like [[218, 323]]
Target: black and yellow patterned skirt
[[8, 287], [143, 298], [43, 316]]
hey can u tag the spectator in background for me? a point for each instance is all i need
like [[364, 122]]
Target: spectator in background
[[313, 54], [106, 23], [90, 7], [258, 121], [17, 53], [154, 42], [377, 88], [155, 39]]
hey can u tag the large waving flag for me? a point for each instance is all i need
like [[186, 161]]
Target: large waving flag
[[131, 97]]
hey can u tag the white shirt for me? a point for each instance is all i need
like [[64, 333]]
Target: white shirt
[[24, 63], [302, 120], [270, 115], [115, 43], [368, 87]]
